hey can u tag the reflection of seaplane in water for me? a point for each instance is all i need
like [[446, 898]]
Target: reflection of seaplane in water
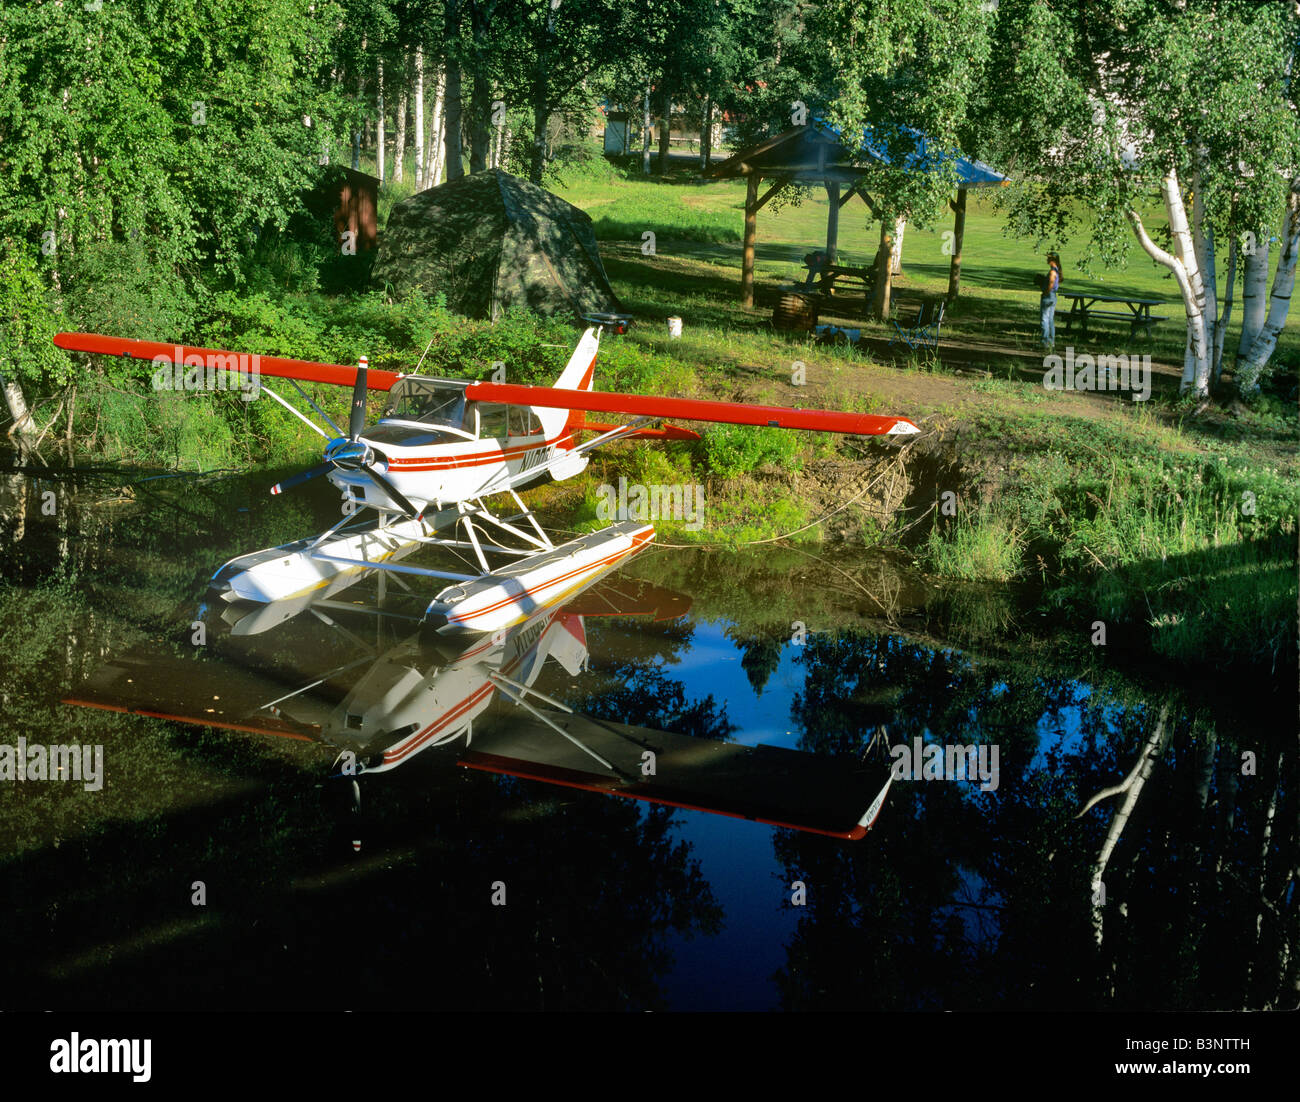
[[421, 477], [384, 690]]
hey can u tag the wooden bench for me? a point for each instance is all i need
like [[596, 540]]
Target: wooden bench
[[1134, 323]]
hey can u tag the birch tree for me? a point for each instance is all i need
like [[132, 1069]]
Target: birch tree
[[1101, 105], [399, 155], [379, 131], [417, 92], [1251, 366], [438, 151]]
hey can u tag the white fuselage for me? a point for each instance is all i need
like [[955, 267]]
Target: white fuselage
[[433, 465]]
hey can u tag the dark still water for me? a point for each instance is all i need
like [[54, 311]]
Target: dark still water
[[204, 847]]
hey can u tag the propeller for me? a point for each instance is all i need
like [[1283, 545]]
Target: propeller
[[349, 453], [357, 420], [303, 476]]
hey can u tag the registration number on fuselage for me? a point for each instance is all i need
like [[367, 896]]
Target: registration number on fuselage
[[537, 457]]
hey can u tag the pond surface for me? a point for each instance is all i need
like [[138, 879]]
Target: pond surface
[[216, 858]]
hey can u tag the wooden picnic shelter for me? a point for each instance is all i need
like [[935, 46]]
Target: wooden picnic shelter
[[814, 153]]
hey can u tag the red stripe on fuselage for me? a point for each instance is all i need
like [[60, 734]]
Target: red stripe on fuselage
[[456, 462], [414, 742]]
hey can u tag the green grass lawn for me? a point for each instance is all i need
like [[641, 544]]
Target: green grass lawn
[[695, 271]]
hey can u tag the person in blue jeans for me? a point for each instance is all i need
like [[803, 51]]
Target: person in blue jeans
[[1047, 302]]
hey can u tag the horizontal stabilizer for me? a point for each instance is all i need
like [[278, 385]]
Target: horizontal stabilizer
[[663, 432]]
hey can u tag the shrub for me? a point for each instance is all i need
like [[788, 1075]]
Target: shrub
[[732, 450]]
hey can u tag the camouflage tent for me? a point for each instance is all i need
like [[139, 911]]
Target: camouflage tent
[[490, 241]]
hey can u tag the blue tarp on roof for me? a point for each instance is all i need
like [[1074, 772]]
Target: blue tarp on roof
[[925, 157]]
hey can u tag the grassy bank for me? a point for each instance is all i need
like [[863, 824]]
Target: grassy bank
[[1178, 523]]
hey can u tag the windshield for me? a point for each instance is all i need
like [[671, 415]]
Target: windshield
[[426, 400]]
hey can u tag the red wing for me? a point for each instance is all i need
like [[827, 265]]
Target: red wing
[[274, 366], [691, 409]]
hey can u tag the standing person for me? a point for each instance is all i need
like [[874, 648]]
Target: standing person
[[1047, 303]]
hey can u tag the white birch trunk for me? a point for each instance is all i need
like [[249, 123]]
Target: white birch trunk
[[498, 141], [1203, 241], [437, 154], [1196, 364], [1132, 790], [1216, 368], [23, 425], [400, 154], [505, 145], [1250, 368], [17, 512], [896, 253], [1254, 293], [421, 169], [645, 134], [379, 133]]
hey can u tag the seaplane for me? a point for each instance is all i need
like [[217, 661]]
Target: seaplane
[[423, 475]]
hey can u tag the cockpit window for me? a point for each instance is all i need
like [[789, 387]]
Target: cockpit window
[[491, 420], [427, 401]]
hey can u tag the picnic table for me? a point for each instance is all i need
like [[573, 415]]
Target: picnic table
[[1138, 313], [827, 275]]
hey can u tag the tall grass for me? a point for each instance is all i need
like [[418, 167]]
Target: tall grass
[[986, 547]]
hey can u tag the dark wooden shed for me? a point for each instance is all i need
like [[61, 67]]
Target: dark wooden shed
[[351, 199]]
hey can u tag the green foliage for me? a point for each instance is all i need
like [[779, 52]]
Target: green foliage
[[117, 287], [627, 366], [255, 323], [576, 161], [732, 450], [29, 318], [907, 66], [1201, 81], [666, 214], [278, 265], [187, 430], [178, 122]]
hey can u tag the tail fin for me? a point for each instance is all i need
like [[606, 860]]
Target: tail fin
[[582, 364], [577, 375]]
